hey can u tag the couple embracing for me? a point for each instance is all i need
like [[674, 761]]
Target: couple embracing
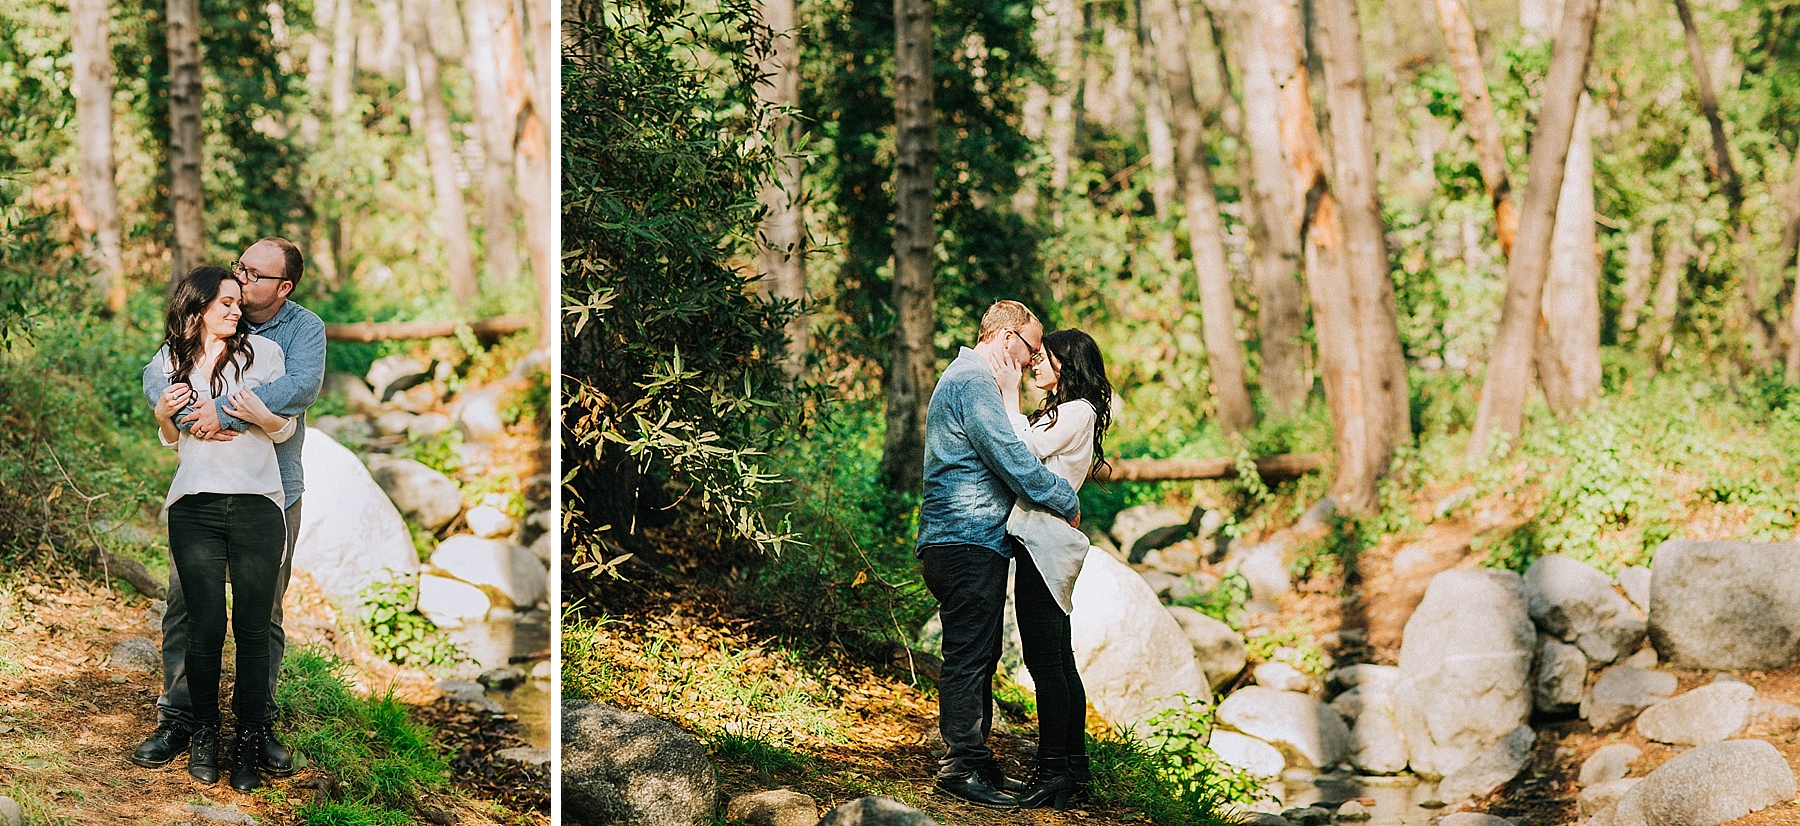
[[1000, 488], [239, 365]]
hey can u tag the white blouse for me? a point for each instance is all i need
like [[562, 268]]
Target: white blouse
[[245, 464], [1066, 446]]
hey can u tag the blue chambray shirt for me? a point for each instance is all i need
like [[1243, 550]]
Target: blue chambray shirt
[[976, 466], [301, 335]]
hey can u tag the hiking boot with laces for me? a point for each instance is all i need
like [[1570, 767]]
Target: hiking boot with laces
[[168, 741], [203, 754], [244, 776]]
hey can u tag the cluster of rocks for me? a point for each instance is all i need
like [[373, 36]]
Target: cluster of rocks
[[620, 767], [353, 532]]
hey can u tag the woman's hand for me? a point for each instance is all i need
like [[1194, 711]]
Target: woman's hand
[[246, 405], [173, 400]]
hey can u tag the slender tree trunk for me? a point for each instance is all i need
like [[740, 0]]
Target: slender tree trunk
[[1341, 362], [94, 134], [1640, 259], [909, 376], [1206, 235], [535, 170], [1790, 256], [1275, 253], [1231, 114], [497, 119], [186, 189], [432, 120], [1478, 113], [1156, 134], [1756, 327], [1376, 317], [1659, 335], [782, 252], [1063, 54], [343, 57], [1502, 409], [1569, 351]]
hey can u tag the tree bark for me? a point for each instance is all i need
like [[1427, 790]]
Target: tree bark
[[1640, 258], [1372, 290], [1157, 135], [94, 134], [1756, 327], [1341, 362], [535, 170], [1063, 54], [910, 375], [496, 118], [782, 251], [1275, 254], [1569, 353], [1658, 336], [431, 118], [343, 57], [1502, 409], [1478, 113], [186, 154], [1206, 234]]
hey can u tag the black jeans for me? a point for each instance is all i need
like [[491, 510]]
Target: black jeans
[[1044, 637], [209, 532], [969, 582], [175, 704]]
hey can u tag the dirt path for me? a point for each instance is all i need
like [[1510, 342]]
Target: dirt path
[[69, 720]]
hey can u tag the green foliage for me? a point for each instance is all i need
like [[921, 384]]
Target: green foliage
[[1171, 776], [671, 359], [1293, 645], [756, 754], [382, 759], [1224, 603], [398, 632], [437, 452], [851, 576], [530, 404]]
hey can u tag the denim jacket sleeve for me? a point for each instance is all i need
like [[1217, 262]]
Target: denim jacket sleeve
[[990, 432], [295, 391], [156, 380]]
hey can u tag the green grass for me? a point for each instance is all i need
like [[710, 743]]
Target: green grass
[[744, 751], [383, 759]]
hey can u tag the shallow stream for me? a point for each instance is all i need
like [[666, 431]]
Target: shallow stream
[[522, 641]]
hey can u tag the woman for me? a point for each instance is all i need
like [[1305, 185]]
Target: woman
[[224, 508], [1068, 433]]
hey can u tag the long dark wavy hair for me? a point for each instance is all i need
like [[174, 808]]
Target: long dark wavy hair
[[184, 330], [1082, 376]]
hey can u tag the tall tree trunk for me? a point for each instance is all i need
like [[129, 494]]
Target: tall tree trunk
[[1756, 327], [432, 120], [343, 57], [496, 118], [1231, 114], [94, 133], [782, 252], [1568, 353], [186, 192], [1341, 362], [1478, 113], [1658, 336], [1275, 254], [1063, 54], [1372, 291], [1640, 258], [1502, 409], [1156, 134], [535, 170], [1206, 235], [909, 376], [1790, 256]]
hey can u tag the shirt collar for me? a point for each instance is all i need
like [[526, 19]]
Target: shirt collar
[[287, 309]]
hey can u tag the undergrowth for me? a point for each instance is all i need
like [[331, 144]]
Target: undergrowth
[[383, 760]]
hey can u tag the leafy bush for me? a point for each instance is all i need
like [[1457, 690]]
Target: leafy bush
[[1171, 776], [398, 632]]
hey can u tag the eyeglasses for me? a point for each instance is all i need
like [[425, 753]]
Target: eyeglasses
[[252, 276], [1037, 355]]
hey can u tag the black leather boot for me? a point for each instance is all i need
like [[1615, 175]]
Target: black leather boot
[[1084, 780], [1051, 784], [203, 754], [971, 787], [996, 777], [244, 777], [273, 758], [169, 740]]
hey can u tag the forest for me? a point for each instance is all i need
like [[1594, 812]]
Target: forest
[[1477, 282], [406, 149]]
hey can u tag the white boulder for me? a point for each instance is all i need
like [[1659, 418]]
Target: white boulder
[[1218, 650], [449, 603], [501, 568], [1622, 692], [1705, 786], [419, 491], [1247, 753], [1726, 606], [1707, 714], [1310, 732], [1133, 656], [351, 536]]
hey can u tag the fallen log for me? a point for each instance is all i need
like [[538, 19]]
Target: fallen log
[[391, 330], [129, 570], [1272, 468]]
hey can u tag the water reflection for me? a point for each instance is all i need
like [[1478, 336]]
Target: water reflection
[[1395, 799], [522, 641]]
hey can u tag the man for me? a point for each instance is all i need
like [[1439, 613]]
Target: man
[[975, 468], [269, 271]]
